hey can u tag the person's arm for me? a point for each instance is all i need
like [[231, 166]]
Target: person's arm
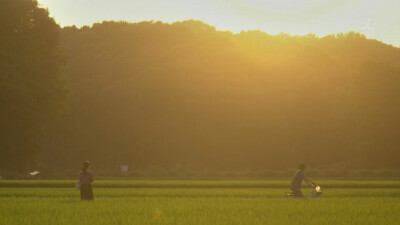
[[308, 181], [92, 178]]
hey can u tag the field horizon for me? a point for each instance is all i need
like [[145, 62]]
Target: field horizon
[[202, 183]]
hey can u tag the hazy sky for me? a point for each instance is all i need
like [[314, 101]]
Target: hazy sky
[[378, 19]]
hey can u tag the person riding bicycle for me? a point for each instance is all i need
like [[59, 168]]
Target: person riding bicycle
[[297, 179]]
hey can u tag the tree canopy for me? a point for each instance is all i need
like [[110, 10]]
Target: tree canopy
[[156, 94]]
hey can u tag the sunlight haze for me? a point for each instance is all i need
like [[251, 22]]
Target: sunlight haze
[[377, 19]]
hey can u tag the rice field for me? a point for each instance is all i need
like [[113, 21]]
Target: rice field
[[198, 203]]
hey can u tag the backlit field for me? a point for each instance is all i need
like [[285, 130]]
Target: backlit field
[[199, 202]]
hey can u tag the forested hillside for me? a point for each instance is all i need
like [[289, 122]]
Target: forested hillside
[[184, 94]]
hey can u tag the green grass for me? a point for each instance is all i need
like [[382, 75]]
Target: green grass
[[198, 184], [199, 206]]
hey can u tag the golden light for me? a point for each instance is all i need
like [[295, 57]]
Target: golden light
[[286, 9]]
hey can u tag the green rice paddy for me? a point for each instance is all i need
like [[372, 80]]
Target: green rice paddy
[[198, 203]]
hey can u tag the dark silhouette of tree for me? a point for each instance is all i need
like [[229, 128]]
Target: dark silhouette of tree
[[32, 91]]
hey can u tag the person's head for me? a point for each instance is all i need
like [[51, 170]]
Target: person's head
[[86, 165], [302, 166]]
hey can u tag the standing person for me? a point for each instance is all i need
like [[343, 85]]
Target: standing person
[[297, 179], [86, 178]]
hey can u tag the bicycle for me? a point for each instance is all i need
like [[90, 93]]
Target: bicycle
[[315, 192]]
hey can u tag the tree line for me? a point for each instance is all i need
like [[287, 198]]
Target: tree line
[[155, 94]]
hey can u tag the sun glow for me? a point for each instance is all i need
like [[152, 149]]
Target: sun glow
[[286, 9], [377, 19]]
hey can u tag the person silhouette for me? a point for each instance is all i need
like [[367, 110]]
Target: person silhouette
[[86, 178], [297, 180]]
